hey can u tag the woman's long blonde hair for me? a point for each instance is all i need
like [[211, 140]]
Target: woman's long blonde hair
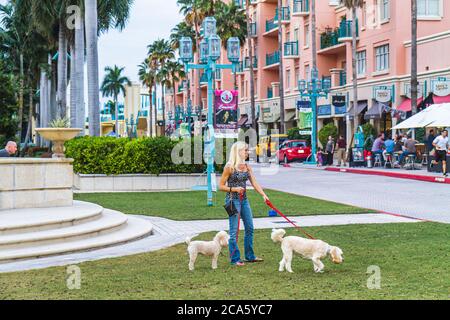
[[235, 160]]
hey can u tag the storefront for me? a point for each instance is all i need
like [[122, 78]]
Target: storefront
[[380, 114]]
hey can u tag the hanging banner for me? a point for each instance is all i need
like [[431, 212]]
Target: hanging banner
[[225, 107], [441, 87], [304, 114]]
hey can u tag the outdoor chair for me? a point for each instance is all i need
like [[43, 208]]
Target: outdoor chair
[[388, 160], [425, 160], [410, 162], [377, 161]]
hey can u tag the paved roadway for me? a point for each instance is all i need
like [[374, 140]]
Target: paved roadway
[[424, 200]]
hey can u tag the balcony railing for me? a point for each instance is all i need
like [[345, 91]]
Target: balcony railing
[[269, 93], [272, 58], [291, 49], [271, 24], [218, 75], [301, 6], [342, 78], [285, 14], [329, 39], [253, 30], [247, 62], [345, 29]]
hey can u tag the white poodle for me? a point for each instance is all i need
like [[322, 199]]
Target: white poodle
[[308, 249], [207, 248]]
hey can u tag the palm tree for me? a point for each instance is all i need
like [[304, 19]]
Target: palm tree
[[176, 74], [354, 5], [414, 83], [281, 71], [147, 75], [159, 53], [113, 84]]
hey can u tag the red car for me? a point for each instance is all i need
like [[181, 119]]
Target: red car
[[293, 150]]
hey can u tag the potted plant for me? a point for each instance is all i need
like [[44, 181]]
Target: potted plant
[[58, 133]]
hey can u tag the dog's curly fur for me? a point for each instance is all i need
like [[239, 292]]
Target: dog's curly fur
[[315, 250], [207, 248]]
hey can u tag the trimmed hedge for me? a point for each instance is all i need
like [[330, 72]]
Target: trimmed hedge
[[112, 156]]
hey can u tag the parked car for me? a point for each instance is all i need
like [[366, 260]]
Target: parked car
[[261, 148], [293, 150]]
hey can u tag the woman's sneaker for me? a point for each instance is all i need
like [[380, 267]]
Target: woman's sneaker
[[239, 264]]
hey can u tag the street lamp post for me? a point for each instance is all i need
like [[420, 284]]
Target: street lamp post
[[210, 51], [313, 89]]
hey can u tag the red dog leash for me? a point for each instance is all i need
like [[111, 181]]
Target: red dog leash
[[291, 222]]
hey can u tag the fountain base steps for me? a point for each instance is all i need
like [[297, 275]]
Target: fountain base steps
[[35, 233]]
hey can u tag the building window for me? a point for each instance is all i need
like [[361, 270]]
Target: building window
[[306, 35], [382, 58], [364, 15], [429, 8], [288, 80], [296, 34], [384, 10], [297, 76], [307, 73], [361, 62]]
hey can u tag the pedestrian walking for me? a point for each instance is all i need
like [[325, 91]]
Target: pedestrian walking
[[329, 149], [442, 147], [342, 147]]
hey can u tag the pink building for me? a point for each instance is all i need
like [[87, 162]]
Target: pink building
[[383, 62]]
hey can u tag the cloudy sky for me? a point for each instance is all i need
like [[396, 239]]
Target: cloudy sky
[[149, 21]]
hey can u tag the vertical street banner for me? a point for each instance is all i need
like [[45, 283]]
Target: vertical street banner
[[225, 109], [305, 115]]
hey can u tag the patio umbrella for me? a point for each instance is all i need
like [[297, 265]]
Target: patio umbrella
[[421, 119], [444, 117]]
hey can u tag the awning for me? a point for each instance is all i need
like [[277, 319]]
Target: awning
[[359, 108], [289, 117], [440, 100], [242, 120], [375, 112], [436, 114], [405, 106]]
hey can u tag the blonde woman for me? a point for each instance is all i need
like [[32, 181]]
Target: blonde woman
[[233, 182]]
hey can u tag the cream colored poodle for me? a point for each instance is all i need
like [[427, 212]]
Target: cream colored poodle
[[308, 249], [207, 248]]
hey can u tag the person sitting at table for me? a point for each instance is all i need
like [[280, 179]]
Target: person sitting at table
[[389, 145], [378, 145], [410, 148]]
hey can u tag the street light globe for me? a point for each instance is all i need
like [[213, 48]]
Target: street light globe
[[204, 51], [186, 52], [215, 45], [233, 49], [302, 85], [209, 27]]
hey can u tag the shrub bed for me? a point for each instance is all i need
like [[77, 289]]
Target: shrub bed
[[113, 156]]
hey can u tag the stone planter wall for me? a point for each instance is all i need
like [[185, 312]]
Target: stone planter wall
[[35, 183], [137, 182]]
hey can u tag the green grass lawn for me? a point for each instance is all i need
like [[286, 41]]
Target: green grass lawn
[[414, 261], [191, 205]]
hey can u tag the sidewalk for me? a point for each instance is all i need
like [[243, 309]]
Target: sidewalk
[[169, 232], [419, 175]]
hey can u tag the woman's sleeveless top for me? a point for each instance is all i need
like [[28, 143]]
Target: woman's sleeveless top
[[238, 179]]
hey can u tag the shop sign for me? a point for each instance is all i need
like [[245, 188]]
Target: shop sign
[[383, 94], [441, 87], [420, 90]]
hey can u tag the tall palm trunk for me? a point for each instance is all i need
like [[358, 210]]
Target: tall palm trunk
[[91, 21], [414, 83], [73, 89], [52, 90], [21, 92], [163, 105], [79, 76], [43, 103], [62, 72], [354, 72], [30, 115], [252, 75], [116, 112], [281, 71], [150, 109]]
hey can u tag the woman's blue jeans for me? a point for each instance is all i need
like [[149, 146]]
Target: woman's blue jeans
[[245, 213]]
